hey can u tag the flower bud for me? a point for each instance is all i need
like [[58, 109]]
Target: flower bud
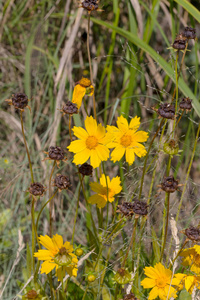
[[62, 258], [79, 252], [171, 147], [91, 278], [122, 276]]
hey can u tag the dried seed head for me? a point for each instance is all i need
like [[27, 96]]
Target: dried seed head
[[193, 233], [167, 111], [20, 100], [63, 258], [90, 5], [36, 189], [86, 169], [70, 108], [62, 182], [171, 147], [122, 276], [189, 33], [130, 296], [126, 209], [140, 208], [180, 42], [186, 104], [56, 153], [169, 184], [31, 295]]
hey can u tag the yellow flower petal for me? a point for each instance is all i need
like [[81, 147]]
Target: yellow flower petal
[[44, 255], [117, 153], [154, 293], [58, 241], [122, 124], [91, 126], [94, 159], [96, 187], [81, 157], [189, 283], [80, 133], [97, 199], [148, 283], [68, 246], [102, 152], [78, 94], [115, 185], [135, 123], [46, 241], [47, 267], [130, 156], [151, 272], [140, 136], [77, 146]]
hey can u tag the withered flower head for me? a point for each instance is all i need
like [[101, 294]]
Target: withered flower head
[[169, 184], [90, 5], [130, 296], [62, 182], [126, 209], [36, 189], [69, 108], [189, 33], [180, 42], [193, 233], [122, 276], [31, 295], [84, 82], [140, 208], [56, 153], [19, 101], [86, 169], [186, 104], [167, 111], [171, 147]]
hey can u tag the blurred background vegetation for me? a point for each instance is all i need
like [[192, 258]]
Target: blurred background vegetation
[[43, 53]]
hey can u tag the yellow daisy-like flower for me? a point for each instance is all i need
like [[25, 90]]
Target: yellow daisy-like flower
[[90, 143], [159, 280], [191, 257], [126, 140], [83, 86], [57, 255], [105, 191], [190, 282]]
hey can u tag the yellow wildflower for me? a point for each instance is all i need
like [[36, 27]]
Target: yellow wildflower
[[83, 86], [191, 257], [159, 279], [57, 256], [105, 191], [126, 140], [190, 281], [90, 143]]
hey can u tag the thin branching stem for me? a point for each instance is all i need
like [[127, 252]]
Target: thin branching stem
[[131, 242]]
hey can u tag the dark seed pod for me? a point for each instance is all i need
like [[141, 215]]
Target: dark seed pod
[[56, 153], [70, 108], [167, 111], [62, 182], [86, 169], [140, 208], [90, 5], [130, 296], [193, 233], [32, 295], [126, 209], [180, 42], [36, 189], [19, 100], [189, 33], [186, 104], [169, 184]]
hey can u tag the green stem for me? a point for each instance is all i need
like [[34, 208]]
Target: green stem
[[41, 210], [51, 202], [131, 242], [171, 264], [85, 293], [76, 214], [27, 151], [90, 64], [34, 232], [145, 162], [166, 227], [70, 131]]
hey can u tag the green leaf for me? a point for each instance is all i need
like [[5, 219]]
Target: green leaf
[[106, 294], [165, 66], [190, 8]]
